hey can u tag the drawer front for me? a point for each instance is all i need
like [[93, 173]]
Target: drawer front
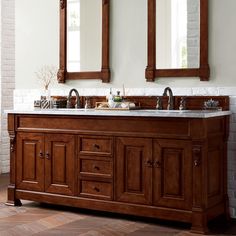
[[96, 167], [96, 189], [96, 145]]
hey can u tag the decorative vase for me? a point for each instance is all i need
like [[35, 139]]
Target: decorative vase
[[45, 99]]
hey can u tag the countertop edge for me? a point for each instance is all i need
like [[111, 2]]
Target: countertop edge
[[129, 113]]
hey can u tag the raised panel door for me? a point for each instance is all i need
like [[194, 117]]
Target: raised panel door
[[60, 164], [30, 161], [172, 172], [133, 170]]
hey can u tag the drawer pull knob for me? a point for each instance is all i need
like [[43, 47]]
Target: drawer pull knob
[[47, 155], [157, 164], [96, 167], [41, 154], [96, 189], [149, 163], [197, 162], [96, 146]]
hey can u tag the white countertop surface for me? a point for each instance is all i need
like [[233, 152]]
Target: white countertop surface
[[134, 113]]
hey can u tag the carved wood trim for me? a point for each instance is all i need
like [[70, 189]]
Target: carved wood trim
[[62, 4], [198, 179], [12, 141], [61, 76], [197, 156]]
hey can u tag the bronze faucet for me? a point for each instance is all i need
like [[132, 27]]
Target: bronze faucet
[[170, 105], [77, 101]]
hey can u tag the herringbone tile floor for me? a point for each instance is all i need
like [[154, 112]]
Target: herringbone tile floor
[[43, 220]]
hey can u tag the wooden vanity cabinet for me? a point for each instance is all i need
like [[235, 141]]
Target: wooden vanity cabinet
[[161, 167], [45, 162], [155, 172]]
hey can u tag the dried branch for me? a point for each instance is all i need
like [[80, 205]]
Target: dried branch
[[46, 75]]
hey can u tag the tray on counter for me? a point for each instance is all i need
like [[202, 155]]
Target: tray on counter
[[117, 106]]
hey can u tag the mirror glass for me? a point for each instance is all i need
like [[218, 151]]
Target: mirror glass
[[177, 34], [84, 35]]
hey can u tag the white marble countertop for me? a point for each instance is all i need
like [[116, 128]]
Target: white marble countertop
[[133, 113]]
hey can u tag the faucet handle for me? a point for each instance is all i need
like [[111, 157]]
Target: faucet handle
[[68, 104], [182, 105], [77, 101], [159, 103]]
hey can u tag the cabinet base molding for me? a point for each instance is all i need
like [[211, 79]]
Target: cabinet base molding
[[126, 208], [109, 206]]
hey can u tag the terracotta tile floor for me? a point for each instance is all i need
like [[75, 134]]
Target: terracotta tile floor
[[43, 219]]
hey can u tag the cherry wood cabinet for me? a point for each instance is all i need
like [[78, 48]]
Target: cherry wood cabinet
[[155, 172], [45, 162], [172, 173], [30, 161], [162, 167], [133, 172]]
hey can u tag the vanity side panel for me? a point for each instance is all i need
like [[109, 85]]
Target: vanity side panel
[[11, 198], [215, 178], [218, 131]]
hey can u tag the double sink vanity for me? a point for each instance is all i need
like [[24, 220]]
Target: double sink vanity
[[154, 163], [166, 164]]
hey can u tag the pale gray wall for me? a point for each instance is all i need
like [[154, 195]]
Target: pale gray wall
[[37, 38]]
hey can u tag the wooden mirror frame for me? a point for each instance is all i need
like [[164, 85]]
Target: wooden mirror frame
[[203, 71], [104, 74]]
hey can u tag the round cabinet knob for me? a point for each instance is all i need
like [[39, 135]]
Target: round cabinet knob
[[149, 163], [41, 155], [96, 189], [96, 167], [157, 164], [47, 155], [197, 162], [96, 146]]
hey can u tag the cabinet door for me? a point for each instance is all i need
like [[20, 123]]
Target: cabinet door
[[30, 161], [60, 164], [133, 170], [172, 183]]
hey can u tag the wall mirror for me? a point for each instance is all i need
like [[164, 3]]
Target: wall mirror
[[177, 39], [84, 40]]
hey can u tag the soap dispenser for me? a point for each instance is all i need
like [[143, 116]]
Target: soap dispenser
[[110, 99], [117, 97]]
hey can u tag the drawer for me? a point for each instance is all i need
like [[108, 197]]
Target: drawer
[[96, 189], [96, 167], [96, 145]]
